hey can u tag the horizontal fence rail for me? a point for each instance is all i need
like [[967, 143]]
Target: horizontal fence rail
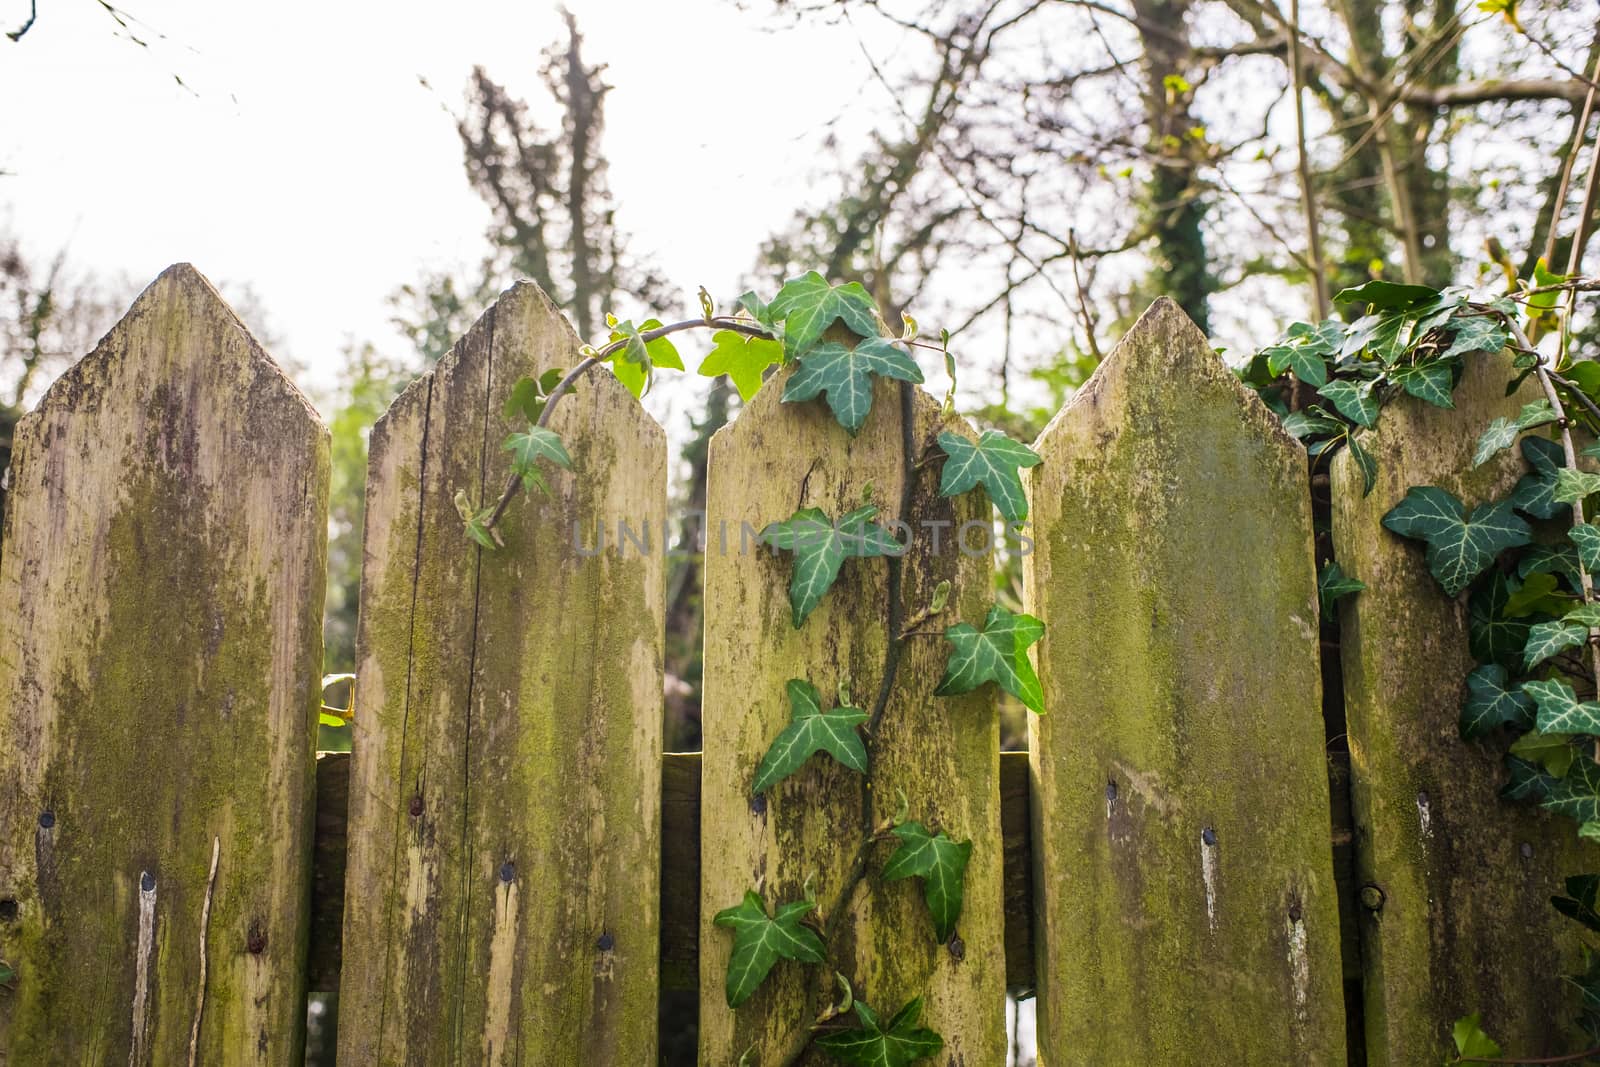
[[1228, 839]]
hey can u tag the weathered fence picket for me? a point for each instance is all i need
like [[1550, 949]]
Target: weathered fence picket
[[505, 795], [160, 645], [1456, 883], [942, 753], [1165, 880], [1184, 888]]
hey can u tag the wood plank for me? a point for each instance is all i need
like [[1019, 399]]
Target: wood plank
[[1462, 880], [160, 648], [943, 753], [1184, 876], [504, 813]]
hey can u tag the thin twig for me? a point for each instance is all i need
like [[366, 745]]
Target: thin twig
[[205, 921], [1308, 203], [565, 385], [33, 14]]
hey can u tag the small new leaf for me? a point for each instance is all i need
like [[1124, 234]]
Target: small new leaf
[[760, 942], [845, 375], [808, 305], [529, 447], [744, 359], [821, 546], [1333, 583], [1551, 752], [941, 864], [1471, 1041], [636, 362], [812, 730], [994, 461], [1381, 294], [998, 653], [899, 1044], [1459, 548]]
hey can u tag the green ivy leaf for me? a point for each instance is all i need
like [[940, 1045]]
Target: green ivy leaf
[[993, 461], [812, 730], [1551, 559], [1490, 705], [1476, 333], [820, 548], [941, 864], [1355, 400], [1548, 638], [1553, 753], [1386, 294], [998, 653], [1432, 382], [1586, 539], [1459, 549], [534, 444], [1540, 595], [1573, 485], [1503, 431], [744, 359], [845, 374], [1525, 780], [1366, 463], [1576, 794], [760, 942], [808, 305], [1580, 902], [1560, 711], [1471, 1041], [636, 362], [1308, 361], [1333, 583], [1535, 492], [1494, 636], [1303, 424], [900, 1044]]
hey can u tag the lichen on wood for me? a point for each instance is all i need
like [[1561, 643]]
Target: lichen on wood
[[161, 594], [505, 791], [942, 753], [1184, 886], [1461, 879]]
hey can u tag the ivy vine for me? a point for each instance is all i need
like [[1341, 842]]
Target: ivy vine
[[748, 346], [1524, 562]]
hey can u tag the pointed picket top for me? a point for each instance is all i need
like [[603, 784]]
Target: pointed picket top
[[1163, 356], [161, 585], [180, 319], [506, 769], [1181, 794]]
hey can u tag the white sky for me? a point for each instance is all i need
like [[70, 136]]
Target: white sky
[[306, 161]]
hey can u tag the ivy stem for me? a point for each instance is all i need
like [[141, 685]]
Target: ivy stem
[[1585, 581], [856, 873], [589, 363]]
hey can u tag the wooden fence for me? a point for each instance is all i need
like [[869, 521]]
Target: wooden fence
[[1186, 867]]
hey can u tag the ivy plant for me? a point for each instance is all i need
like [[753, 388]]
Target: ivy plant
[[831, 342]]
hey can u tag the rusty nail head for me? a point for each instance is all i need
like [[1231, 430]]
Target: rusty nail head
[[416, 804], [758, 803], [508, 871], [1372, 897], [255, 938], [606, 942], [1209, 836], [47, 819]]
